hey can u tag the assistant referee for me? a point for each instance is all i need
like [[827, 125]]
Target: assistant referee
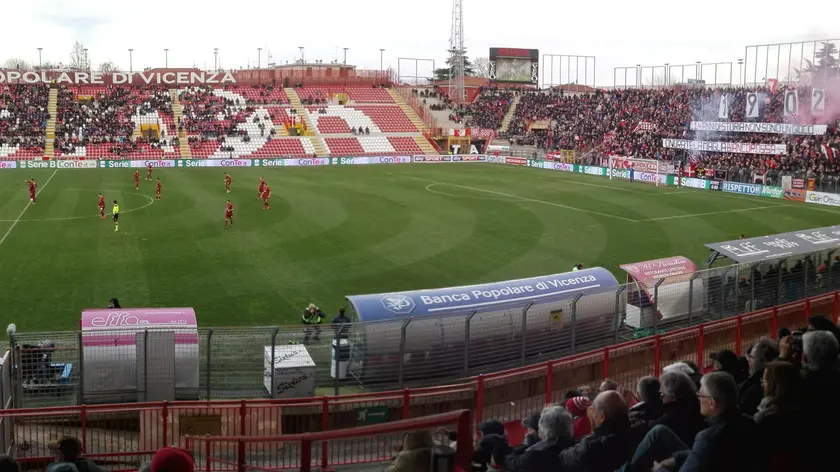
[[116, 213]]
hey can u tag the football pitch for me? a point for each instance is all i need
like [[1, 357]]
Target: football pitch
[[335, 231]]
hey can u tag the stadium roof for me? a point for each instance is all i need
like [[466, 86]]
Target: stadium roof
[[777, 246]]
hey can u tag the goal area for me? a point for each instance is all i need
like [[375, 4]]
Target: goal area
[[648, 171]]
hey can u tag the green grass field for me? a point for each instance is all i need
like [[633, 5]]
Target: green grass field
[[337, 231]]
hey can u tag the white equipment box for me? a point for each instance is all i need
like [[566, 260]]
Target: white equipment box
[[293, 370]]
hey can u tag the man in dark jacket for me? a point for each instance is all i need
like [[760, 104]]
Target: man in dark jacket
[[493, 442], [726, 445], [610, 443], [340, 324], [68, 450], [751, 391], [821, 389], [650, 407], [681, 407], [531, 424], [555, 432]]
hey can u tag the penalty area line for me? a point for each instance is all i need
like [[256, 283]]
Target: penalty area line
[[17, 220], [521, 198]]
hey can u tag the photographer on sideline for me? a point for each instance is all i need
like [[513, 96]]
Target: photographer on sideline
[[312, 318]]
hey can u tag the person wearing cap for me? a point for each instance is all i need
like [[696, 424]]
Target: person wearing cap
[[531, 424], [578, 407], [68, 451], [727, 361], [492, 443], [555, 430], [172, 459]]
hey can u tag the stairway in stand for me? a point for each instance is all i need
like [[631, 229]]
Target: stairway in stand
[[318, 144], [52, 109], [178, 114], [509, 115], [294, 101], [425, 145], [406, 108]]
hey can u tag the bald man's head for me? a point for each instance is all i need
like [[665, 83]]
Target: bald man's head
[[608, 405]]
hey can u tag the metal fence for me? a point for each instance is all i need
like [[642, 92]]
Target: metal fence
[[55, 368]]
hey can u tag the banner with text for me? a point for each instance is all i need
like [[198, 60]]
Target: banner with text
[[8, 164], [302, 162], [744, 189], [822, 198], [640, 165], [690, 182], [59, 164], [720, 146], [371, 160], [771, 128]]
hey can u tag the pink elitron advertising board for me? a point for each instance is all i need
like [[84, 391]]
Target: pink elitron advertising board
[[113, 358]]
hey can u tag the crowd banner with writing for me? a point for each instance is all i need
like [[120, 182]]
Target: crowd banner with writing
[[745, 189], [640, 165], [721, 146], [8, 164], [770, 128], [822, 198]]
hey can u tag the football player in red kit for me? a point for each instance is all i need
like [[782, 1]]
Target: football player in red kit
[[136, 180], [228, 214], [227, 182], [265, 196], [33, 186], [261, 188], [101, 206], [149, 172], [157, 189]]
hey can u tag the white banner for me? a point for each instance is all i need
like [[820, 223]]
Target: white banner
[[787, 182], [718, 146], [74, 164], [771, 128], [791, 103], [817, 101], [723, 111], [822, 198], [374, 160], [752, 105], [8, 165]]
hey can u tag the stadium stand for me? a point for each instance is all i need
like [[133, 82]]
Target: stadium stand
[[23, 120]]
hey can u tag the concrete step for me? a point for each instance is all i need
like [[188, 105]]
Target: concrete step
[[425, 145]]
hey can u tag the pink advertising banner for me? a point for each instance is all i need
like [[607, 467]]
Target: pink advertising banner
[[660, 268], [115, 327]]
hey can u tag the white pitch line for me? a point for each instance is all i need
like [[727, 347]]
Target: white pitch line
[[69, 218], [524, 199], [693, 215], [3, 239]]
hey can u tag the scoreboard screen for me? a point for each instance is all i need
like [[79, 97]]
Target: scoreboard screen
[[514, 65]]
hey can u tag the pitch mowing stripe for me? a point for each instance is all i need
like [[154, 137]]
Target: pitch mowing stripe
[[9, 231], [694, 215]]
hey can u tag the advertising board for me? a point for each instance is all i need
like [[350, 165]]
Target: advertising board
[[795, 194], [822, 198], [689, 182], [744, 189]]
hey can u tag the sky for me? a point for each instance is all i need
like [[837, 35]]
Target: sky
[[617, 34]]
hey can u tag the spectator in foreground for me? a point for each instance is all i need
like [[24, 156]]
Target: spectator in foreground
[[68, 450], [610, 443], [415, 454], [681, 407], [686, 368], [492, 442], [172, 459], [578, 407], [555, 434], [821, 389], [531, 424], [750, 391], [779, 414], [727, 361], [608, 385], [8, 463], [726, 445], [650, 407]]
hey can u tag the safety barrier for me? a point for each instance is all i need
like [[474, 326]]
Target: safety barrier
[[373, 443], [132, 432]]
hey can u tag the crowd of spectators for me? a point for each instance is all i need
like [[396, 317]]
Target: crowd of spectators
[[771, 410], [105, 118], [608, 123], [24, 115], [208, 114]]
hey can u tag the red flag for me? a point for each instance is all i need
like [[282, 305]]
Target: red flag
[[774, 83]]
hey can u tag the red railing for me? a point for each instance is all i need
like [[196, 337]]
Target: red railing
[[136, 430], [299, 451]]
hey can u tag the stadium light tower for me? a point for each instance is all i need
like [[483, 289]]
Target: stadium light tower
[[87, 59], [39, 57], [381, 59], [302, 61], [345, 56], [456, 50], [259, 57], [166, 58], [216, 59], [740, 65], [130, 61]]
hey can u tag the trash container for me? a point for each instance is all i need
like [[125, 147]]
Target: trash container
[[340, 358]]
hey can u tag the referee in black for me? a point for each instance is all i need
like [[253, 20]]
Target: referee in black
[[116, 213]]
